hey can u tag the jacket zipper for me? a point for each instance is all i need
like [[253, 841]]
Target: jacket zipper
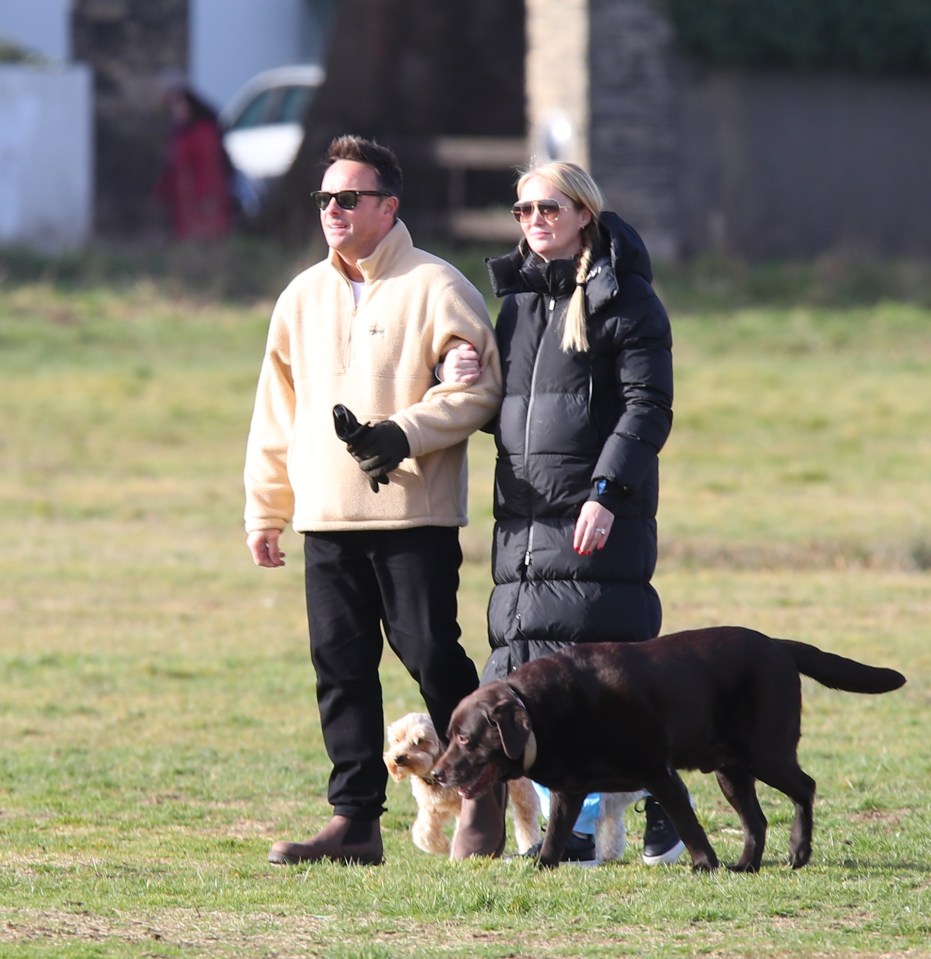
[[528, 555], [353, 320]]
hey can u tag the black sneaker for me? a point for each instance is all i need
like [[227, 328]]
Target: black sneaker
[[579, 848], [661, 842]]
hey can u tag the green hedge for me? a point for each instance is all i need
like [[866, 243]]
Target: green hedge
[[875, 36]]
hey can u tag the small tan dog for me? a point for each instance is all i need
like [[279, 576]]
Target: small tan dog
[[413, 748]]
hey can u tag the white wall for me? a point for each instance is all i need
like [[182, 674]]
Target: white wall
[[46, 157], [40, 26], [232, 40]]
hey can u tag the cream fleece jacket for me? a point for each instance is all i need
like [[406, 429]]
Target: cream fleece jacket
[[377, 358]]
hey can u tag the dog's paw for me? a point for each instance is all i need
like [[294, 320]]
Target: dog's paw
[[429, 834]]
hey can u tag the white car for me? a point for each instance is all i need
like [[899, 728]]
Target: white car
[[263, 126]]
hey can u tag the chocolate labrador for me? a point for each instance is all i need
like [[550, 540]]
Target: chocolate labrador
[[617, 717]]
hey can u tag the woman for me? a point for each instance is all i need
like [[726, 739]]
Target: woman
[[195, 181], [586, 354]]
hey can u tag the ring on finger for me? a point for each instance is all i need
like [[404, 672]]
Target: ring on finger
[[602, 530]]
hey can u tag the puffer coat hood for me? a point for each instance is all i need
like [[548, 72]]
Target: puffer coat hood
[[568, 420]]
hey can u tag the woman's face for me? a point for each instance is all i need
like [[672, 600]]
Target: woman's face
[[551, 222], [178, 107]]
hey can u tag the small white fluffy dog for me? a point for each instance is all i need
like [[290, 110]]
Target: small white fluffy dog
[[610, 829], [413, 749]]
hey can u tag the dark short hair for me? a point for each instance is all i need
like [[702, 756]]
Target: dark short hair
[[379, 158]]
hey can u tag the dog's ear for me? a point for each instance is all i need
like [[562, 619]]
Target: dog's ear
[[513, 725]]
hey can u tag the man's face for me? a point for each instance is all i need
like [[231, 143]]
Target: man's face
[[355, 233]]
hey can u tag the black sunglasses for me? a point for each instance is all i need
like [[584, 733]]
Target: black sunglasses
[[346, 199], [548, 209]]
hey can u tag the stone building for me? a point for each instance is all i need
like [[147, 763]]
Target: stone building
[[749, 163], [699, 159], [130, 47]]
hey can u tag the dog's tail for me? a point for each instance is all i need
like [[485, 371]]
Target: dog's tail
[[838, 672]]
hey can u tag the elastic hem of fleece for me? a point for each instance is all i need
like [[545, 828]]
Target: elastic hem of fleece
[[342, 526]]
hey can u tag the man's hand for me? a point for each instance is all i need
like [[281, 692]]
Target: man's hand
[[263, 544], [350, 431], [381, 449], [462, 365]]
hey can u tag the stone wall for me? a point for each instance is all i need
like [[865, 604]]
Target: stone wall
[[698, 160], [778, 164], [557, 82], [756, 164], [131, 45], [633, 141], [603, 72]]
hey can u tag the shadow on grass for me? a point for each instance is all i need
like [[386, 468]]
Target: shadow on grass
[[244, 267], [239, 269]]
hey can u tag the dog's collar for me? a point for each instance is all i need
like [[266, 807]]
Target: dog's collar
[[530, 750]]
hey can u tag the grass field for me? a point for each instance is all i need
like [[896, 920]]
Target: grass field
[[156, 711]]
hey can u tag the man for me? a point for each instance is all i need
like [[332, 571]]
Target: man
[[366, 328]]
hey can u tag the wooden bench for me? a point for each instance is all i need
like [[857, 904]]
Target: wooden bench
[[457, 155]]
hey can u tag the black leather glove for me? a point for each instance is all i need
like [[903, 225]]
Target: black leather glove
[[350, 431], [380, 449]]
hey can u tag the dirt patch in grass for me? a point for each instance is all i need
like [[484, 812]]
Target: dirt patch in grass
[[220, 933]]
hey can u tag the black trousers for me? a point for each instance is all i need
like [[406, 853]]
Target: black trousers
[[359, 584]]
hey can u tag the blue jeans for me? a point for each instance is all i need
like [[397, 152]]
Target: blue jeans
[[587, 817]]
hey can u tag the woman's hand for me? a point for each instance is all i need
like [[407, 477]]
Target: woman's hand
[[461, 365], [592, 528]]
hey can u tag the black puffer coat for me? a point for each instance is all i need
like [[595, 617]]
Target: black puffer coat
[[568, 420]]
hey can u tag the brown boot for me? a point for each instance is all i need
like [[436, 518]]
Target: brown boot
[[341, 840], [482, 830]]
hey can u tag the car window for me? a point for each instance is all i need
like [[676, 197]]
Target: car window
[[294, 104], [255, 111]]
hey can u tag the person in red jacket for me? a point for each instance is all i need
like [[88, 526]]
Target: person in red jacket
[[195, 182]]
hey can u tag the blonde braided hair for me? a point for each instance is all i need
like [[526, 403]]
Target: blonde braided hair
[[578, 185]]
